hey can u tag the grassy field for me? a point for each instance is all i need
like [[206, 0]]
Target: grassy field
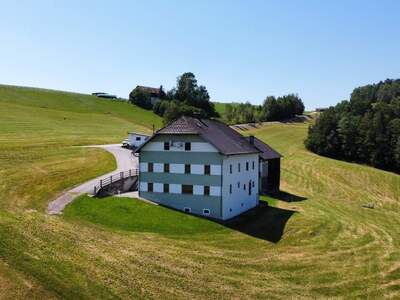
[[220, 107], [316, 241]]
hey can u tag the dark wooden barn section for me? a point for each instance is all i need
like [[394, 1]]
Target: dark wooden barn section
[[270, 167], [270, 175]]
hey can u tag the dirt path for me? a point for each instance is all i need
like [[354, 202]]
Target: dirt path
[[125, 161]]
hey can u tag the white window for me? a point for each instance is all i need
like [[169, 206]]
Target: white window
[[198, 190], [177, 168], [215, 191], [143, 167], [158, 187], [158, 168], [206, 212], [175, 188], [143, 186], [216, 170], [198, 169]]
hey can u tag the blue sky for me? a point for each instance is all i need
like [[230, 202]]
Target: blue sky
[[241, 50]]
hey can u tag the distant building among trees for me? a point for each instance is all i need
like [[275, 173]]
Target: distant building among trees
[[187, 98], [145, 96], [104, 95]]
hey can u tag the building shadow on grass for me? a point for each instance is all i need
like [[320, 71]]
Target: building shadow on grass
[[287, 197], [263, 222]]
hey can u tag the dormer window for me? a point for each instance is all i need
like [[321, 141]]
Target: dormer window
[[187, 169], [166, 168], [207, 170], [207, 190], [166, 146], [188, 146]]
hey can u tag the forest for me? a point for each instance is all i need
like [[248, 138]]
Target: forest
[[365, 129]]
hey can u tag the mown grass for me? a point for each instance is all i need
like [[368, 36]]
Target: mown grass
[[78, 103], [220, 108], [137, 216], [328, 246]]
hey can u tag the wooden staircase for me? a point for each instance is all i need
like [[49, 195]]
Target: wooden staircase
[[121, 182]]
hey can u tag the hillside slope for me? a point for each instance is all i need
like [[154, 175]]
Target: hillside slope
[[317, 242], [77, 103]]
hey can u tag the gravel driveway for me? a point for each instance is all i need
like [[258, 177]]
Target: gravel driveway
[[125, 161]]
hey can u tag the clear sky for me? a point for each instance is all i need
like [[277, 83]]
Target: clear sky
[[241, 50]]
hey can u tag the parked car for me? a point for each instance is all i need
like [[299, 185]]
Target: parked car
[[127, 144]]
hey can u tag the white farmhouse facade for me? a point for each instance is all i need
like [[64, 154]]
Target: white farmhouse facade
[[200, 166]]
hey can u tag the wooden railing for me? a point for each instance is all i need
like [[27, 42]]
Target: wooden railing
[[107, 181]]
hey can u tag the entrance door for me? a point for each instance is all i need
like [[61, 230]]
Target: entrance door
[[249, 187]]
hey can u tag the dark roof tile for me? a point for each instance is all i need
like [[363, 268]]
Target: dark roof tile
[[227, 140]]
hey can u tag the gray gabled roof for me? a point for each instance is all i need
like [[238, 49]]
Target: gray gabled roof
[[227, 140], [267, 152]]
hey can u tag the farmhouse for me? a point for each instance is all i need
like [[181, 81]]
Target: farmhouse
[[205, 167], [135, 140], [154, 93]]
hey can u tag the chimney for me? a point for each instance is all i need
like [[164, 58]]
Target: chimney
[[251, 139]]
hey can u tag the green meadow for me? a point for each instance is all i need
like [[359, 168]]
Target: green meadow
[[314, 240]]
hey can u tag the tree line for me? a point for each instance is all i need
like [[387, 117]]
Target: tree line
[[272, 109], [187, 98], [365, 129]]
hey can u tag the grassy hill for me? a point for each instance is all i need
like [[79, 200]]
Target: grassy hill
[[316, 242], [221, 106]]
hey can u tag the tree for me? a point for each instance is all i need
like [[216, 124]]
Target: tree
[[139, 98], [281, 108], [191, 98], [323, 137], [396, 153]]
